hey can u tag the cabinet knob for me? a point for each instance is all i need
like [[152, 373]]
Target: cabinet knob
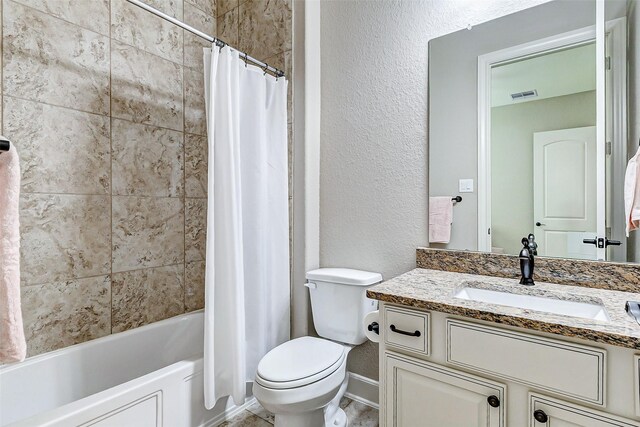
[[540, 416], [494, 402]]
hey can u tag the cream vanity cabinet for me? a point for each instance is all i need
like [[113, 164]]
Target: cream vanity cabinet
[[439, 370], [421, 393]]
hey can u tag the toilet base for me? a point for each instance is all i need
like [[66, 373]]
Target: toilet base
[[334, 415], [339, 419], [306, 419], [312, 419]]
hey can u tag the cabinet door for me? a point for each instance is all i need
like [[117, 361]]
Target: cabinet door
[[418, 393], [548, 412]]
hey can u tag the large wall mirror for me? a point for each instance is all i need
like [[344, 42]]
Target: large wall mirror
[[533, 118]]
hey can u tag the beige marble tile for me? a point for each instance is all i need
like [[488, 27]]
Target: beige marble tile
[[226, 5], [246, 419], [63, 237], [264, 27], [228, 27], [257, 410], [195, 120], [60, 314], [147, 160], [147, 232], [361, 415], [195, 224], [137, 27], [92, 15], [61, 150], [195, 169], [207, 6], [170, 7], [49, 60], [194, 285], [193, 45], [344, 402], [276, 60], [145, 296], [145, 88]]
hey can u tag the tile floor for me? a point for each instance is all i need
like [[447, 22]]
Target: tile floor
[[359, 415]]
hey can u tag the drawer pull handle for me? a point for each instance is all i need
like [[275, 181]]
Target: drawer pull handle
[[400, 331], [540, 416], [493, 401]]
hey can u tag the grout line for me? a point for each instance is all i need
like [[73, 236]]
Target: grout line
[[106, 274], [64, 19], [184, 168], [50, 193], [111, 167], [196, 7], [93, 113], [109, 116]]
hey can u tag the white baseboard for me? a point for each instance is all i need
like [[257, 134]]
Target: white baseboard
[[229, 413], [363, 390]]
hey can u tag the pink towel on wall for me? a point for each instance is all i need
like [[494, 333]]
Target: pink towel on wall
[[13, 347], [440, 219], [632, 194]]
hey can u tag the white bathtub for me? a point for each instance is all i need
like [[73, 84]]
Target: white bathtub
[[149, 376]]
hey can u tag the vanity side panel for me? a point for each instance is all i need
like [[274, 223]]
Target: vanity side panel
[[636, 382]]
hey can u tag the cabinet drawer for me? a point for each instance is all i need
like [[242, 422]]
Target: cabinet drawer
[[562, 414], [564, 368], [407, 329]]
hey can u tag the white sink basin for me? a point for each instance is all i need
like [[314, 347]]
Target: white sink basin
[[584, 310]]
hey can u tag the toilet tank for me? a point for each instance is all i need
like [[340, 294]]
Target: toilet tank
[[339, 302]]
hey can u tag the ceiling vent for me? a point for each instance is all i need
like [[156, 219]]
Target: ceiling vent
[[524, 95]]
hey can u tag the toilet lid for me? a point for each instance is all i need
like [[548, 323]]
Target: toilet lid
[[301, 358]]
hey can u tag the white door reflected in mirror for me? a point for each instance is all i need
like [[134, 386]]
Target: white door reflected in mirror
[[565, 192]]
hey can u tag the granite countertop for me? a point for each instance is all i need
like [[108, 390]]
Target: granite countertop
[[435, 290]]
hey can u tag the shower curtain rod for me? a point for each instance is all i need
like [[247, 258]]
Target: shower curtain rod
[[217, 41]]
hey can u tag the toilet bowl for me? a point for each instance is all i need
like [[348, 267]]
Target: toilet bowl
[[303, 380], [298, 381]]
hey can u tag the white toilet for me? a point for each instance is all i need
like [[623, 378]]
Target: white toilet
[[303, 380]]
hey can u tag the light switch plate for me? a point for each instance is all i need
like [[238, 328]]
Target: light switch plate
[[465, 186]]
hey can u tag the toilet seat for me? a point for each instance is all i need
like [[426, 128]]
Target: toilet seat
[[300, 362]]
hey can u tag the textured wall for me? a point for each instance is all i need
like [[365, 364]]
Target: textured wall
[[105, 104], [373, 188]]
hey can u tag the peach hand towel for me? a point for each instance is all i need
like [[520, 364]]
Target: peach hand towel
[[440, 219], [13, 347], [632, 194]]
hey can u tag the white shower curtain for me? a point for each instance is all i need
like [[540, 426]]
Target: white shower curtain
[[247, 263]]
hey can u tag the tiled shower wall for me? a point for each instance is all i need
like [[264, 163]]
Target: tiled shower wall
[[105, 105]]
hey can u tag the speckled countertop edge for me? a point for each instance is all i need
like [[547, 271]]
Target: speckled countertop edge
[[434, 290]]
